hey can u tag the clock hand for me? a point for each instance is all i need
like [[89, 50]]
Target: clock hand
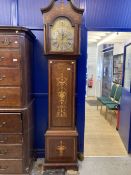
[[62, 35]]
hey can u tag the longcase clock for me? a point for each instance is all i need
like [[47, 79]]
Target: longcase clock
[[62, 23]]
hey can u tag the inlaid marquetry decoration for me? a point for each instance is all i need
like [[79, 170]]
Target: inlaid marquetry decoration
[[61, 83], [61, 148], [6, 42]]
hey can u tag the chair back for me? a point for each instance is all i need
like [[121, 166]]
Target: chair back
[[113, 90], [118, 94]]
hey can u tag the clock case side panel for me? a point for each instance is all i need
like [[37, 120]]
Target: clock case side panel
[[45, 39], [54, 122]]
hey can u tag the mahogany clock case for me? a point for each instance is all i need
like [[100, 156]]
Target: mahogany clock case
[[16, 101], [62, 24]]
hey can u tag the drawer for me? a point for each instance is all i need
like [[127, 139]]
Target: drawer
[[10, 77], [11, 139], [10, 152], [60, 149], [9, 57], [10, 123], [10, 96], [9, 41], [11, 167]]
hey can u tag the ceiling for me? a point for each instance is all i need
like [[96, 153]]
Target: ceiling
[[108, 37], [95, 37]]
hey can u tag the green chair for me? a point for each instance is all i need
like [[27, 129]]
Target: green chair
[[103, 99], [114, 106], [111, 107], [118, 94], [116, 97]]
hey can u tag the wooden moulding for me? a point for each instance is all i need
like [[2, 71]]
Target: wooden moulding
[[49, 7], [66, 166], [61, 133], [18, 29]]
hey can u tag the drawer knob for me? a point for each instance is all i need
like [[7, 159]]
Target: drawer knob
[[16, 42], [27, 169], [2, 77], [2, 124], [6, 42], [3, 152], [15, 59], [2, 58], [3, 168], [2, 98]]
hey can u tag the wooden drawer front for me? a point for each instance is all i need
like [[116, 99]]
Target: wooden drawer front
[[61, 93], [8, 41], [10, 97], [60, 149], [10, 166], [10, 152], [10, 139], [9, 57], [10, 76], [10, 123]]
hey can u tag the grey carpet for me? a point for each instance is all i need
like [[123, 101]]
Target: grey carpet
[[96, 166], [106, 166], [92, 102], [54, 172]]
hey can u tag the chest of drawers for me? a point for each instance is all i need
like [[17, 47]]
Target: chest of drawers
[[16, 101]]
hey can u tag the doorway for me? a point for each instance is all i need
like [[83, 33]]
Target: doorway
[[105, 67]]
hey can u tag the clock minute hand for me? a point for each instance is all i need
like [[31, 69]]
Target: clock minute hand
[[62, 35]]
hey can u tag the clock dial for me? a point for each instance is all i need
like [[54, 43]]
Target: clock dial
[[62, 36]]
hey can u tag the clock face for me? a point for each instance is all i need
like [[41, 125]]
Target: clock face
[[62, 36]]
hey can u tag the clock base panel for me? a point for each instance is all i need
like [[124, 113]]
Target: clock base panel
[[61, 149], [66, 166]]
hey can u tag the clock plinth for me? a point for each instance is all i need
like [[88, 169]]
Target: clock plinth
[[61, 149], [62, 46]]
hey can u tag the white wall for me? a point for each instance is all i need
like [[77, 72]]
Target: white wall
[[91, 65], [99, 74], [118, 48]]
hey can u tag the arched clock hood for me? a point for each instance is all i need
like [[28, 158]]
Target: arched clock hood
[[62, 10], [52, 3]]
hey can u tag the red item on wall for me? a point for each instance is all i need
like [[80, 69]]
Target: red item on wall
[[90, 82]]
